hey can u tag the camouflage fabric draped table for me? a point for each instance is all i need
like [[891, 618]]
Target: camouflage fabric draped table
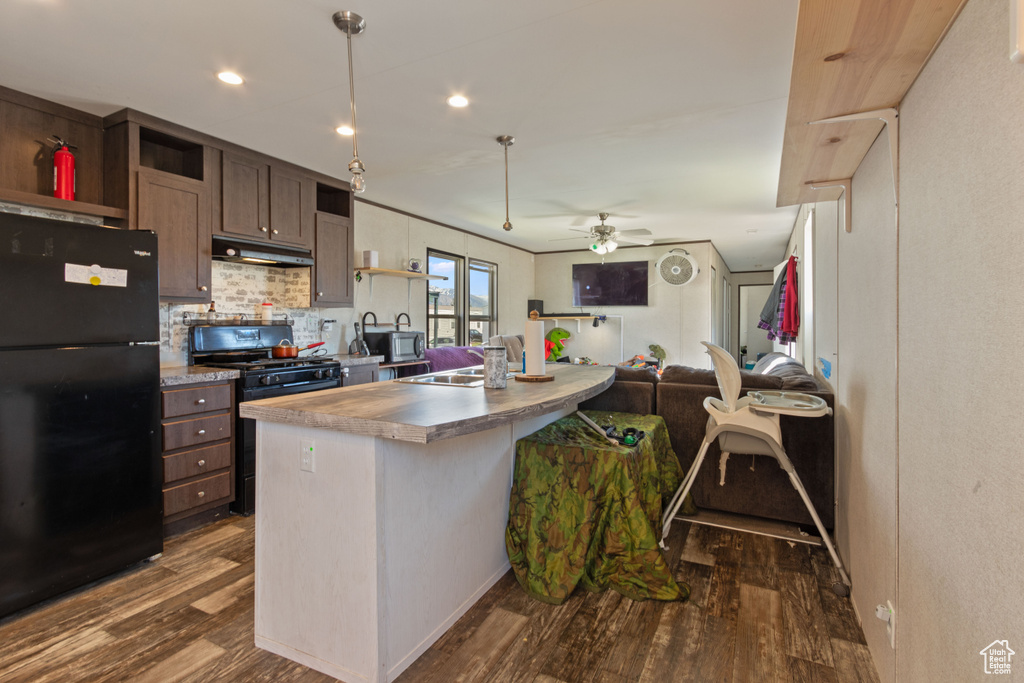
[[583, 511]]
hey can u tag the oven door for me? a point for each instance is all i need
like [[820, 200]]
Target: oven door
[[245, 436]]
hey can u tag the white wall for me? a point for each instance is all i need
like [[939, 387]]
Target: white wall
[[866, 410], [928, 421], [676, 318], [961, 262]]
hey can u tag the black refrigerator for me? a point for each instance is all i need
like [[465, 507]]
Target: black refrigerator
[[80, 471]]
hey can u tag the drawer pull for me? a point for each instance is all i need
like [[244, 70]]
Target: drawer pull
[[201, 494], [201, 401], [201, 432], [201, 463]]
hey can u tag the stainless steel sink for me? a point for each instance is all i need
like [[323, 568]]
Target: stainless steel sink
[[463, 377], [462, 380]]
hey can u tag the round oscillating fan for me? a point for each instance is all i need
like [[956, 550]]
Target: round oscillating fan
[[677, 268]]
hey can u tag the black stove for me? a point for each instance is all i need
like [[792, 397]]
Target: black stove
[[246, 348]]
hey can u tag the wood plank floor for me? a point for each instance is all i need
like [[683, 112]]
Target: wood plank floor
[[761, 610]]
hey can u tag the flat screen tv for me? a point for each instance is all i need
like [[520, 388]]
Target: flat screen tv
[[609, 284]]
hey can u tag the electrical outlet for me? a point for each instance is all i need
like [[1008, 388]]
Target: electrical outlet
[[307, 460]]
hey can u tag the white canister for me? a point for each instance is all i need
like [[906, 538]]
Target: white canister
[[267, 312], [495, 367]]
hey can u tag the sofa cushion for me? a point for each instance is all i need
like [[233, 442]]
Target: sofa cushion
[[513, 344], [628, 374], [681, 374]]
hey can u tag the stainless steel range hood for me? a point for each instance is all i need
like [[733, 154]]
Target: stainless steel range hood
[[258, 253]]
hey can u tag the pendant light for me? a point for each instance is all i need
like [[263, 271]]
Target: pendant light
[[352, 24], [506, 142]]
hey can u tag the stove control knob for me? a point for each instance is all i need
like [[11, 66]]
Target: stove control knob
[[320, 374], [265, 379]]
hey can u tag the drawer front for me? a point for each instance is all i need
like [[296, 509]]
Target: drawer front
[[188, 496], [198, 431], [194, 463], [178, 402]]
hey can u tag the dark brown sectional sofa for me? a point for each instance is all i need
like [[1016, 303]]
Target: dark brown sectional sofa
[[678, 396]]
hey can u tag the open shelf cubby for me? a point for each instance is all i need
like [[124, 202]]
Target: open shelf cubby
[[170, 154], [332, 200]]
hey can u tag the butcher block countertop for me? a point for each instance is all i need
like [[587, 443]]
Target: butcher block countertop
[[423, 413]]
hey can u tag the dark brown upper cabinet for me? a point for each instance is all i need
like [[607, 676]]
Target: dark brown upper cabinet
[[332, 273], [177, 209], [333, 253], [163, 177], [265, 201]]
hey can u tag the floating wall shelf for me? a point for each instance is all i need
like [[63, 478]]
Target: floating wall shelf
[[407, 274], [42, 201]]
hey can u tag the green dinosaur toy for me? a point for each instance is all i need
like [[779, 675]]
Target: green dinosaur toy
[[556, 342], [658, 353]]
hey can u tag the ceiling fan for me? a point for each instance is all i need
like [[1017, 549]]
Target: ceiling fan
[[606, 238]]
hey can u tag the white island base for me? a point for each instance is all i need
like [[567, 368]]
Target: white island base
[[363, 563]]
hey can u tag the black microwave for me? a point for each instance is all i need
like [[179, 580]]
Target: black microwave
[[397, 347]]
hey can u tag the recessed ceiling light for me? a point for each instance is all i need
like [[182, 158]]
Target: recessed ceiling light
[[231, 78], [457, 101], [344, 130]]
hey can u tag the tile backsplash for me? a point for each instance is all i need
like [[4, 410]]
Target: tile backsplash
[[240, 289]]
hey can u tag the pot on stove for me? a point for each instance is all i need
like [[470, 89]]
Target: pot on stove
[[286, 349]]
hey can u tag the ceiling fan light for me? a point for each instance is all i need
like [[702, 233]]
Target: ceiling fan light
[[599, 248], [611, 245]]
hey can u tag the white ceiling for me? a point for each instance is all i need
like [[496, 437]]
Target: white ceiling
[[668, 114]]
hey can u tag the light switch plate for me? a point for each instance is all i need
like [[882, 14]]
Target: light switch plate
[[307, 452]]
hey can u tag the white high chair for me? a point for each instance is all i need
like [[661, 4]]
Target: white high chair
[[751, 425]]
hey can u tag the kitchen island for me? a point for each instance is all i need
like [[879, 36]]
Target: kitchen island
[[381, 512]]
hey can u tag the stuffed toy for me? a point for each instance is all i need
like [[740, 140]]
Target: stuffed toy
[[554, 343], [658, 353]]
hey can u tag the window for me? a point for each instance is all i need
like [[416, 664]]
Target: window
[[483, 313], [445, 308], [461, 311]]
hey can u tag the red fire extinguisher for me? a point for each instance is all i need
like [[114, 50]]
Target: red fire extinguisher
[[63, 169]]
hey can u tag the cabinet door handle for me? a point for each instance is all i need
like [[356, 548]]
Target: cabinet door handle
[[202, 288], [201, 463], [201, 494], [201, 401], [319, 293], [274, 231], [344, 371], [201, 432], [263, 228]]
